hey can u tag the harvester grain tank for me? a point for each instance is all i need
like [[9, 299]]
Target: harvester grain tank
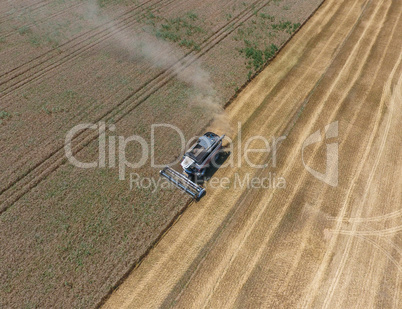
[[195, 163]]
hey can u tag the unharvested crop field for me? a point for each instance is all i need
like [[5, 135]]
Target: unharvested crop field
[[67, 234], [309, 245]]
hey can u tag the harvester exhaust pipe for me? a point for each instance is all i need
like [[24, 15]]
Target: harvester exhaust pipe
[[183, 183]]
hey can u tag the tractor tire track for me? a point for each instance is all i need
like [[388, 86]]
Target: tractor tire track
[[5, 17], [58, 54], [170, 248], [120, 25], [56, 158], [256, 257], [49, 17], [354, 231], [304, 243], [248, 229], [204, 264], [317, 280], [102, 29], [80, 51]]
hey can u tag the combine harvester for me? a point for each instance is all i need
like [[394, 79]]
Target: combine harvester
[[194, 163]]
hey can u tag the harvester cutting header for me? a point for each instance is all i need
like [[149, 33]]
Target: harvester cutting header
[[195, 162]]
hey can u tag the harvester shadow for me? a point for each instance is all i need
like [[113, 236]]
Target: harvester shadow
[[213, 167]]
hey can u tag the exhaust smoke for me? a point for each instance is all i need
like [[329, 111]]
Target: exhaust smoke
[[142, 46]]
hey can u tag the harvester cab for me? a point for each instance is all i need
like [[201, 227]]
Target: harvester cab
[[195, 162]]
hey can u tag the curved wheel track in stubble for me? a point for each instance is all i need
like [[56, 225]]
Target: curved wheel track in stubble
[[24, 182], [295, 248]]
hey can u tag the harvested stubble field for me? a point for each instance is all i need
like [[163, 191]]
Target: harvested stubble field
[[310, 244], [68, 235]]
